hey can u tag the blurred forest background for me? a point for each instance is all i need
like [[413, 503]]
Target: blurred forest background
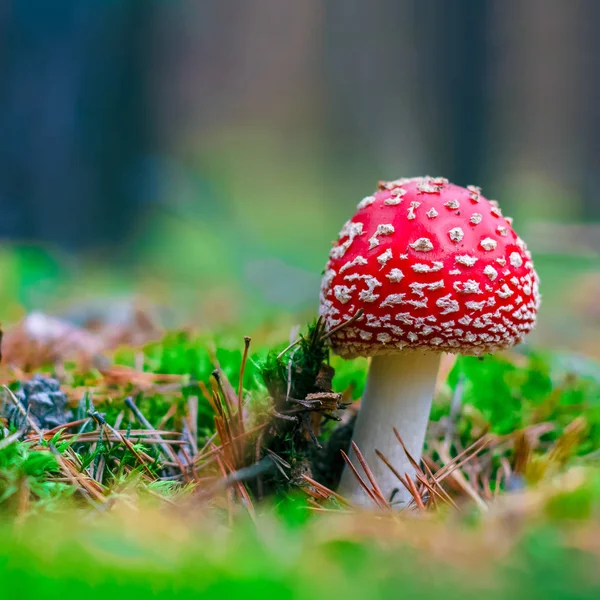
[[203, 155]]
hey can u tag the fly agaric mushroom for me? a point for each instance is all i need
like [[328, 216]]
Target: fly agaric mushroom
[[435, 268]]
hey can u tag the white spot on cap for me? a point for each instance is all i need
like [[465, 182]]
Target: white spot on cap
[[365, 335], [383, 258], [515, 259], [349, 230], [476, 218], [428, 186], [509, 220], [468, 287], [411, 210], [405, 318], [456, 234], [475, 305], [418, 303], [447, 304], [501, 261], [432, 213], [384, 337], [452, 204], [466, 260], [455, 272], [359, 260], [392, 201], [368, 295], [382, 229], [422, 245], [504, 292], [490, 272], [393, 299], [421, 268], [366, 202], [466, 320], [502, 230], [417, 288], [436, 341], [475, 192], [488, 244], [373, 242], [343, 293], [328, 278], [395, 275], [495, 210], [394, 329]]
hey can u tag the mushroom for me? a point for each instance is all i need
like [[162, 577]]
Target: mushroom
[[435, 268]]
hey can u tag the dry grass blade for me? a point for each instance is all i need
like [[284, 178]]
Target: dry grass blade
[[166, 449], [48, 433], [435, 493], [11, 439], [403, 480], [192, 423], [228, 491], [76, 478], [412, 488], [102, 422], [436, 484], [32, 424], [93, 438], [356, 474], [324, 491], [363, 463], [412, 461], [376, 500], [460, 479], [241, 385], [463, 457], [432, 481], [242, 492]]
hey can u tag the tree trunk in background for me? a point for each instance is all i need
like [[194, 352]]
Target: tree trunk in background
[[542, 90], [408, 81], [455, 43], [72, 121], [376, 94], [591, 159], [221, 65]]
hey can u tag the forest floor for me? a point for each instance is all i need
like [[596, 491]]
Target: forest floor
[[174, 464]]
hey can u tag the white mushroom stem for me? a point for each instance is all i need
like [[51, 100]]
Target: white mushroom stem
[[398, 394]]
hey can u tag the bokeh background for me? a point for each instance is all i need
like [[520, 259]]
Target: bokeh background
[[201, 156]]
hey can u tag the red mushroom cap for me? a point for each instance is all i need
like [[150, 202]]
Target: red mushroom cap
[[433, 266]]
